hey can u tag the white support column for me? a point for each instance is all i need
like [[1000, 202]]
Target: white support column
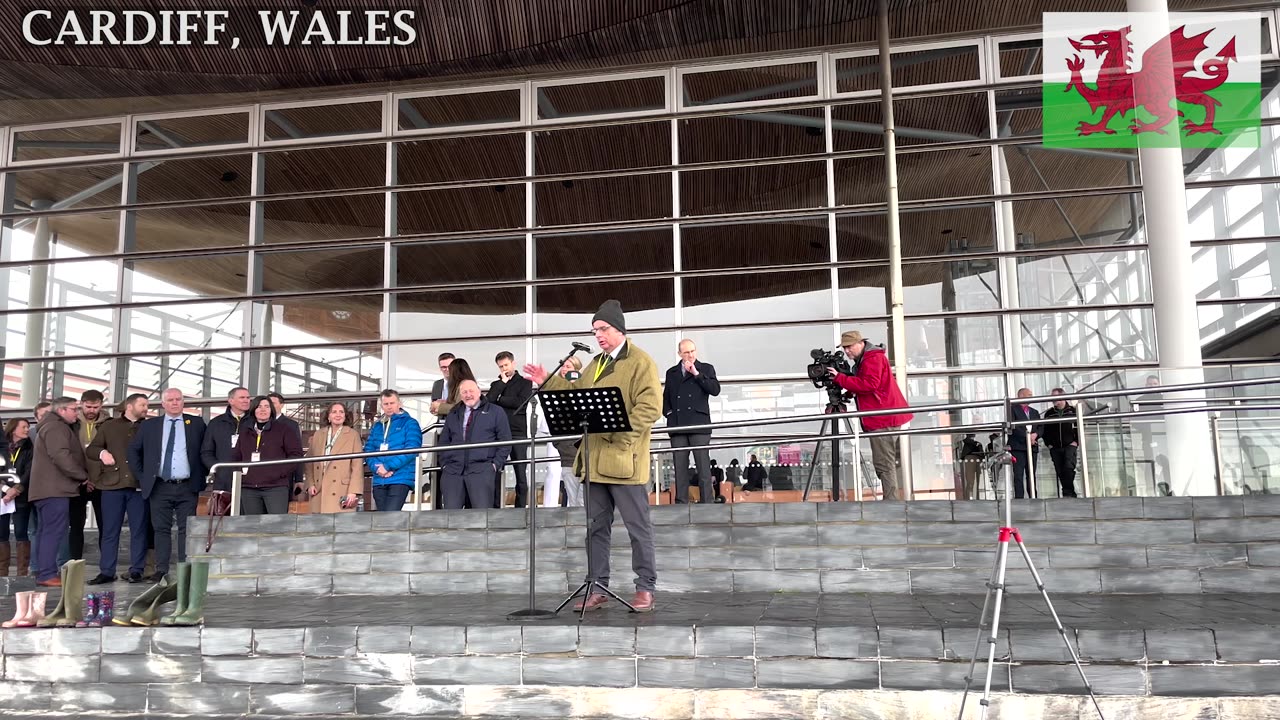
[[1010, 289], [1164, 196], [37, 293]]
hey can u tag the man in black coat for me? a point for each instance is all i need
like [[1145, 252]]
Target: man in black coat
[[468, 476], [164, 456], [223, 433], [1064, 443], [277, 408], [510, 392], [685, 402], [1022, 444]]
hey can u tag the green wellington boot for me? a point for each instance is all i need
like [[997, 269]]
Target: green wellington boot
[[73, 595], [144, 609], [52, 617], [197, 590], [184, 585]]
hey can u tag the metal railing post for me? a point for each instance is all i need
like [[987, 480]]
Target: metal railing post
[[657, 481], [237, 477], [417, 482], [1215, 429], [857, 464], [1083, 439]]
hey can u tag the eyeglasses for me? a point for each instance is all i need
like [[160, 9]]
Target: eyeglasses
[[601, 329]]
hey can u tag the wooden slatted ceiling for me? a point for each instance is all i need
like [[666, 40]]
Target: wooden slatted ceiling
[[479, 40]]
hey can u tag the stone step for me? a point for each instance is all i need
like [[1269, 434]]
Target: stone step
[[1102, 546]]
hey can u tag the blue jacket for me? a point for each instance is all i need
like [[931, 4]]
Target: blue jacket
[[489, 423], [405, 433], [147, 448]]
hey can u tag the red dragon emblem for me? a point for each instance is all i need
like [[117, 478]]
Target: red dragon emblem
[[1120, 91]]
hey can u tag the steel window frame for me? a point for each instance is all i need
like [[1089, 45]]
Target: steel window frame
[[818, 60], [119, 121], [979, 45], [522, 113], [261, 110], [667, 75]]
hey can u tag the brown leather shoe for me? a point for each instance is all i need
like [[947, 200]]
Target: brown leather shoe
[[643, 601], [51, 582], [594, 602]]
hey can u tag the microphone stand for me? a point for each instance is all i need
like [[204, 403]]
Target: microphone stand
[[532, 612]]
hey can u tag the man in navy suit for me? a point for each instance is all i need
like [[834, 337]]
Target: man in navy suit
[[1022, 444], [165, 458], [685, 401], [470, 476]]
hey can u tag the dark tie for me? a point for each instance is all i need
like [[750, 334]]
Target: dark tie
[[166, 470], [466, 431]]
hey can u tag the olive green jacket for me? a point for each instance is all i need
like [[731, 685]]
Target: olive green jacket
[[621, 458]]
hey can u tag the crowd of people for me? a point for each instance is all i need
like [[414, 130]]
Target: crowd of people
[[147, 474]]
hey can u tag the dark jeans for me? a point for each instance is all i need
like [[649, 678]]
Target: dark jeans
[[170, 503], [701, 458], [116, 506], [264, 501], [1064, 466], [79, 515], [473, 488], [390, 497], [53, 525], [633, 502], [22, 513], [1023, 483], [519, 451]]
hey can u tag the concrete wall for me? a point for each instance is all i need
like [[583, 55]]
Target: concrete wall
[[1106, 545]]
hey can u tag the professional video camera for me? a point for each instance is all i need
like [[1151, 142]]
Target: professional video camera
[[818, 375]]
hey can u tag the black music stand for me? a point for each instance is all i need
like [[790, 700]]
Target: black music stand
[[586, 411]]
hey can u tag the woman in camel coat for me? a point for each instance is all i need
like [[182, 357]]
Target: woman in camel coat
[[335, 486]]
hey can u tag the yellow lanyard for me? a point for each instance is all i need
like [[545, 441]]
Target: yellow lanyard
[[13, 459], [604, 361], [257, 441]]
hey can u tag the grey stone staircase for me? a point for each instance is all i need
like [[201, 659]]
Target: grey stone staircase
[[1106, 545]]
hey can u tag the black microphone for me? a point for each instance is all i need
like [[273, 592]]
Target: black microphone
[[582, 347]]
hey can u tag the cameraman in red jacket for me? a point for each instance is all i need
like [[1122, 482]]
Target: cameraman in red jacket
[[874, 388]]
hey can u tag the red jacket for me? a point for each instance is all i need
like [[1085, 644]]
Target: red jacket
[[874, 388]]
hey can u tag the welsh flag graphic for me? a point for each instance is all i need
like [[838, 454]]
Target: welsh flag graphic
[[1124, 80]]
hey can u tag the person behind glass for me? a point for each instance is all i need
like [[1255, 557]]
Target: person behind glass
[[1022, 445], [91, 418], [874, 388], [510, 392], [164, 456], [969, 454], [1063, 441], [469, 477], [57, 473], [335, 485], [267, 488], [223, 433], [717, 480], [755, 474], [18, 449], [109, 472], [734, 474], [393, 475], [685, 395], [277, 408]]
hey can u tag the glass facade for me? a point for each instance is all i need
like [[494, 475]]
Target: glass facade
[[339, 247]]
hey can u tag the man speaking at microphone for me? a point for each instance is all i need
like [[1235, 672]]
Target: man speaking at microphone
[[619, 461]]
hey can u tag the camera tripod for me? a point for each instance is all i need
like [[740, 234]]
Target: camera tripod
[[1003, 462], [831, 427]]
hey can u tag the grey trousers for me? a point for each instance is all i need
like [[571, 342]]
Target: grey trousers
[[884, 458], [475, 487], [701, 458], [633, 502]]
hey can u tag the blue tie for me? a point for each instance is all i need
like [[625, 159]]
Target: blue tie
[[166, 470]]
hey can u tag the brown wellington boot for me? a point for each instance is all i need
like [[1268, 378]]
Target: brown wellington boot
[[6, 551], [24, 558]]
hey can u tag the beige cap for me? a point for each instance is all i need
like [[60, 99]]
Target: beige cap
[[850, 338]]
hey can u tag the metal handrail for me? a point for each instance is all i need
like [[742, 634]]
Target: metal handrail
[[239, 467]]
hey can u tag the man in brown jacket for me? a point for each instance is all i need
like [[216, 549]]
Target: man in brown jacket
[[57, 472], [110, 475]]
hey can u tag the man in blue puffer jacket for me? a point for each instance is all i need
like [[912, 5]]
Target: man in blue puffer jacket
[[393, 475]]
